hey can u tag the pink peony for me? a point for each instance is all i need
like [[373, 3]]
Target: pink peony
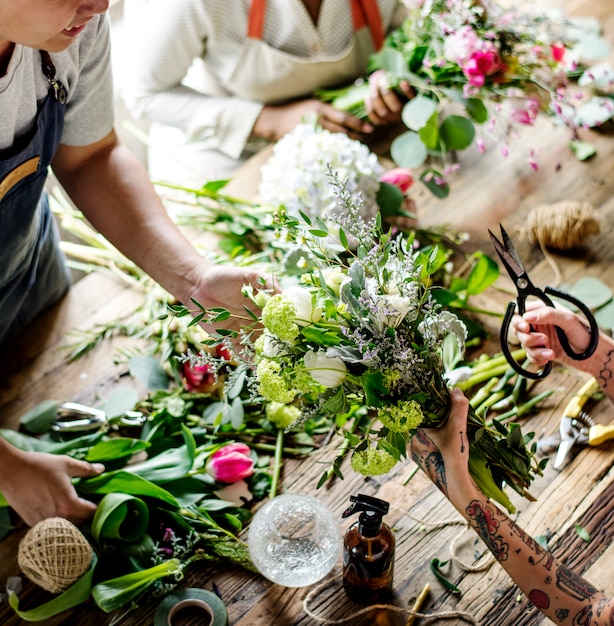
[[460, 45], [231, 463], [480, 65], [401, 177]]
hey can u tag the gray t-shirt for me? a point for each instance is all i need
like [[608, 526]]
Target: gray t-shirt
[[84, 68]]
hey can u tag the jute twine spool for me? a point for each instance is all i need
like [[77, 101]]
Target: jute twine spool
[[562, 225], [54, 554]]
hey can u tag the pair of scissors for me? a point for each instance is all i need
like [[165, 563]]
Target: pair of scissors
[[75, 418], [578, 428], [525, 288]]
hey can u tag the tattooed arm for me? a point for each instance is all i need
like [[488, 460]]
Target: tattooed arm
[[553, 588], [536, 332]]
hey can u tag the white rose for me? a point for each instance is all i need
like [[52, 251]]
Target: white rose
[[334, 277], [392, 310], [301, 299], [329, 372]]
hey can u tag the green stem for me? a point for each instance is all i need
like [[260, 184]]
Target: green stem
[[519, 411], [277, 463]]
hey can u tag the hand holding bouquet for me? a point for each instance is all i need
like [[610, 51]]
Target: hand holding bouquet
[[363, 333]]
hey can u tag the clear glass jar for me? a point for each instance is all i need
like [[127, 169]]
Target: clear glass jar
[[294, 540]]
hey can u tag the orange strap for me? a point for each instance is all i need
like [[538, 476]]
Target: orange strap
[[364, 13]]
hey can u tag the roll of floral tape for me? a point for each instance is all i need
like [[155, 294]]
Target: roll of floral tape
[[207, 601]]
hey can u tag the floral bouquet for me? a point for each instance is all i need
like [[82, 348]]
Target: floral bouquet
[[475, 63], [366, 334]]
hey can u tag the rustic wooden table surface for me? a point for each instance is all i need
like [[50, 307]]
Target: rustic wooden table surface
[[487, 191]]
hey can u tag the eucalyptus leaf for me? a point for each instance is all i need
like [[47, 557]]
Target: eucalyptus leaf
[[435, 183], [456, 132], [149, 371], [389, 200], [39, 419], [418, 111], [408, 150], [604, 316], [583, 533], [120, 401], [591, 291]]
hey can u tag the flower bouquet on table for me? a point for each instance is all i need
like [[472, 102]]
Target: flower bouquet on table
[[367, 336], [475, 63]]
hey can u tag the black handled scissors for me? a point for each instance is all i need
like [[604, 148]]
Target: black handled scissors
[[509, 257]]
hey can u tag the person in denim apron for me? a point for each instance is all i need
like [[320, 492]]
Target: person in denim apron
[[53, 54]]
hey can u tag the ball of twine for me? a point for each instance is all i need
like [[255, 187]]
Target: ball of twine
[[562, 225], [54, 554]]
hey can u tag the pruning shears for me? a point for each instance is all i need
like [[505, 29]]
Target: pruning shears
[[76, 418], [525, 288], [578, 428]]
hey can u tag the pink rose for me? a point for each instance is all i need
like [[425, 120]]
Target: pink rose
[[481, 64], [401, 177], [231, 463]]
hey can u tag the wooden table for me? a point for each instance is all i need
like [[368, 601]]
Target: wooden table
[[486, 191]]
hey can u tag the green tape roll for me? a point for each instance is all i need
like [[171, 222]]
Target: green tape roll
[[192, 597]]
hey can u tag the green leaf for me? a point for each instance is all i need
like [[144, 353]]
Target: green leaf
[[456, 132], [120, 516], [39, 419], [435, 566], [77, 593], [408, 150], [115, 448], [392, 61], [120, 401], [591, 291], [215, 185], [435, 182], [112, 594], [389, 200], [582, 149], [429, 134], [418, 112], [373, 385], [483, 274], [583, 533], [480, 472], [477, 110], [125, 482], [149, 371]]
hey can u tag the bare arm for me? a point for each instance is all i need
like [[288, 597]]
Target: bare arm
[[106, 181], [559, 593]]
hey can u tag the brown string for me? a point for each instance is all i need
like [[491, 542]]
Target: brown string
[[54, 554], [561, 226]]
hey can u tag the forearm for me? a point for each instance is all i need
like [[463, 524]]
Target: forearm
[[114, 193], [601, 365], [558, 592]]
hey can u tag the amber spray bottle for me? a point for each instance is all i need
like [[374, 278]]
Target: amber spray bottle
[[368, 552]]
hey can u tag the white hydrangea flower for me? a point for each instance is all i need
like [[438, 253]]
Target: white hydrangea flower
[[297, 175]]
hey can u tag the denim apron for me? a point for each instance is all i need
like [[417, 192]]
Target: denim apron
[[33, 274]]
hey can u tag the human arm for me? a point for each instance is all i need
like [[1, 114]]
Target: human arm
[[110, 186], [38, 485], [562, 595], [536, 331]]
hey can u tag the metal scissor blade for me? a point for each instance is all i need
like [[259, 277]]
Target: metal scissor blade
[[562, 453], [507, 253]]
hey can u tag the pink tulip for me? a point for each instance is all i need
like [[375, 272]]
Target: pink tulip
[[231, 463], [401, 177]]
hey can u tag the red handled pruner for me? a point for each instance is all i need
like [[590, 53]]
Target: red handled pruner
[[578, 428], [525, 288]]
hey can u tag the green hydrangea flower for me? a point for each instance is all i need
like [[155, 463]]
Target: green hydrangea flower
[[279, 316], [282, 415], [403, 417], [271, 385], [372, 462], [391, 378]]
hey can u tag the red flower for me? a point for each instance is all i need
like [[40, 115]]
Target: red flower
[[198, 378], [231, 463], [481, 64]]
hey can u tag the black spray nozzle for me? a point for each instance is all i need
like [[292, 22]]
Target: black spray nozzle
[[371, 512]]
